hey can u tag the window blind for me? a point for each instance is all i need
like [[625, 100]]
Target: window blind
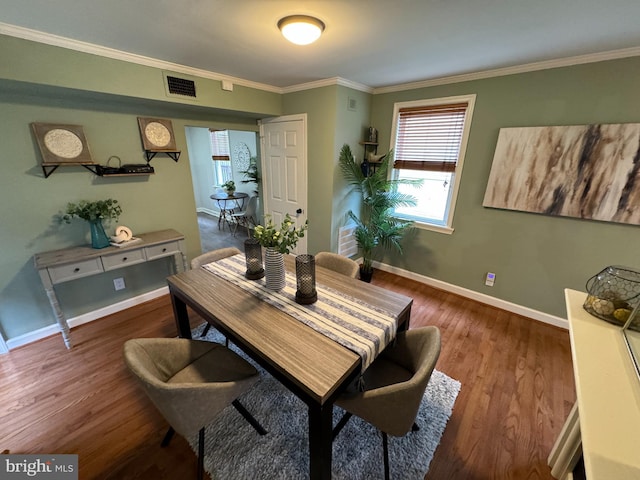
[[220, 144], [429, 137]]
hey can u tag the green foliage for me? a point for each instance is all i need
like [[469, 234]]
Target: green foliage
[[90, 211], [229, 186], [376, 226], [251, 174], [283, 238]]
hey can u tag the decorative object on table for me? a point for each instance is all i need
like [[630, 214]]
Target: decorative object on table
[[372, 135], [614, 294], [306, 279], [123, 237], [229, 187], [376, 226], [94, 212], [253, 255], [278, 241], [61, 145], [580, 171]]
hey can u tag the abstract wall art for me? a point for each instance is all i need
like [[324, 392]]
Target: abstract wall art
[[581, 171]]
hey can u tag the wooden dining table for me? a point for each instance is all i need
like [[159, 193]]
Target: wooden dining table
[[309, 364]]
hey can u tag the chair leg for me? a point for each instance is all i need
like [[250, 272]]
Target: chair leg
[[167, 437], [248, 417], [201, 454], [415, 427], [385, 448], [205, 330], [340, 425]]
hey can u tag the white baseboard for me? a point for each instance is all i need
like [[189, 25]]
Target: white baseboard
[[84, 318], [208, 211], [477, 296]]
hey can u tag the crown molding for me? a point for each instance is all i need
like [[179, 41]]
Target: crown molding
[[328, 82], [529, 67], [84, 47]]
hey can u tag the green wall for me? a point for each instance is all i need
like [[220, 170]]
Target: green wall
[[534, 256]]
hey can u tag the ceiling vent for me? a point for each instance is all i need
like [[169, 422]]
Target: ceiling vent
[[181, 86]]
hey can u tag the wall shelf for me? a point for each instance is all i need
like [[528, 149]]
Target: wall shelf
[[174, 155]]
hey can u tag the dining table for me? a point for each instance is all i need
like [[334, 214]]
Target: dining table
[[313, 366]]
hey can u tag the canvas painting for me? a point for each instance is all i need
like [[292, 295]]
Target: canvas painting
[[582, 171]]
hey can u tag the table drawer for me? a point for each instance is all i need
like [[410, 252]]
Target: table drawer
[[122, 259], [71, 271], [162, 250]]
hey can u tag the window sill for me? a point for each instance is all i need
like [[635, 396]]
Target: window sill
[[433, 228]]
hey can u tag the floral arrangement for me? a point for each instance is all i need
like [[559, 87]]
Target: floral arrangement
[[229, 186], [91, 211], [283, 238]]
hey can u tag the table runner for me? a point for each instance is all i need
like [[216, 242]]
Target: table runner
[[349, 321]]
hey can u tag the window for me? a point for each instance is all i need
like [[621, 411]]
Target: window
[[220, 156], [430, 142]]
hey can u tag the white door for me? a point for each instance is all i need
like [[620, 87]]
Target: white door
[[284, 170]]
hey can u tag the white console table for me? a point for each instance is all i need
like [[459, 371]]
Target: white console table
[[68, 264], [605, 426]]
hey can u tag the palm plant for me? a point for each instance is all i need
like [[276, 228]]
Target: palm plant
[[376, 226]]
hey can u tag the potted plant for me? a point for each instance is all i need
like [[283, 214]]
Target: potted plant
[[251, 174], [94, 212], [376, 226], [229, 187], [277, 240]]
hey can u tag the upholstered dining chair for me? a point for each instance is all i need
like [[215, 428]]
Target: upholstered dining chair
[[190, 382], [394, 385], [209, 257], [338, 263], [246, 217]]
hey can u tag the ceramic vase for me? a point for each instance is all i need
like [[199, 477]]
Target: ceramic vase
[[274, 269], [99, 238]]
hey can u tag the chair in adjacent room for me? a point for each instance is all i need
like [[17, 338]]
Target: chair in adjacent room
[[338, 263], [246, 217], [190, 382], [209, 257], [394, 385]]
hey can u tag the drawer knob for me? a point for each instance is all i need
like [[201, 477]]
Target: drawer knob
[[124, 259], [76, 270], [164, 249]]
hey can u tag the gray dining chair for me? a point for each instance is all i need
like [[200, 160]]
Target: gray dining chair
[[209, 257], [190, 382], [246, 217], [338, 263], [394, 385]]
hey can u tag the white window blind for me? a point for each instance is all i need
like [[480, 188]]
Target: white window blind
[[220, 145], [429, 137]]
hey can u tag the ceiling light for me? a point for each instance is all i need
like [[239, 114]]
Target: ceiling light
[[301, 29]]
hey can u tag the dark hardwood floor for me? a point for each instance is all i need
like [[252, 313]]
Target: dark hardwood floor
[[517, 389]]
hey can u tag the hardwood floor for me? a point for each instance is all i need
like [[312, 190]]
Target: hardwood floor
[[516, 375]]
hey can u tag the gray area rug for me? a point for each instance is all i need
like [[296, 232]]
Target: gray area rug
[[235, 451]]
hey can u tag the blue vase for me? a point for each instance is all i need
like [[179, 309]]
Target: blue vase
[[99, 238]]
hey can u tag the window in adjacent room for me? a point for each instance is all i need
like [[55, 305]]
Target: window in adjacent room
[[430, 143], [220, 155]]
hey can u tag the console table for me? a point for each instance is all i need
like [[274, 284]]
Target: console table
[[604, 425], [68, 264]]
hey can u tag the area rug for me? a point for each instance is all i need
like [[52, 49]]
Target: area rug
[[235, 451]]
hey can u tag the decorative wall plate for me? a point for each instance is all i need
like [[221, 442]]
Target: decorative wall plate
[[62, 144], [242, 156], [157, 134]]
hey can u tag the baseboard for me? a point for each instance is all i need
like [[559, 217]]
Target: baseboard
[[477, 296], [84, 318], [208, 211]]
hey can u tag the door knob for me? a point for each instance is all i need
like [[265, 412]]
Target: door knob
[[299, 211]]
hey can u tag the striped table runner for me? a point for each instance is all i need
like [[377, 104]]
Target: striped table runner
[[351, 322]]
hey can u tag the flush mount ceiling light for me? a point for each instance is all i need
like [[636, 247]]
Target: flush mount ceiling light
[[301, 29]]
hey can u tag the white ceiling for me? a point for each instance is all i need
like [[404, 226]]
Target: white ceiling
[[375, 43]]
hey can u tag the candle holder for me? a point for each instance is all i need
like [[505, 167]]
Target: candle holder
[[253, 256], [306, 279]]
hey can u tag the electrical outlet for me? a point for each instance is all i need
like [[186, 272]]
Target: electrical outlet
[[490, 279], [118, 283]]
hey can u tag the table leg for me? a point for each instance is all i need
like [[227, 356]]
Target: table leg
[[320, 441], [55, 306], [181, 317]]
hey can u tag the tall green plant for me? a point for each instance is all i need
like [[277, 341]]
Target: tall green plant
[[376, 226]]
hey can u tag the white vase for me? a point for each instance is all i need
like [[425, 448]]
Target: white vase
[[274, 269]]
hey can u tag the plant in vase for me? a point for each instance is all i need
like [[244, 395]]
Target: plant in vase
[[94, 212], [252, 175], [229, 187], [277, 241], [376, 226]]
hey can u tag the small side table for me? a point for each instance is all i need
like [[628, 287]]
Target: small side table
[[68, 264], [222, 199]]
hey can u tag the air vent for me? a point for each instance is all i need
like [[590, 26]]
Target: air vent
[[181, 86]]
